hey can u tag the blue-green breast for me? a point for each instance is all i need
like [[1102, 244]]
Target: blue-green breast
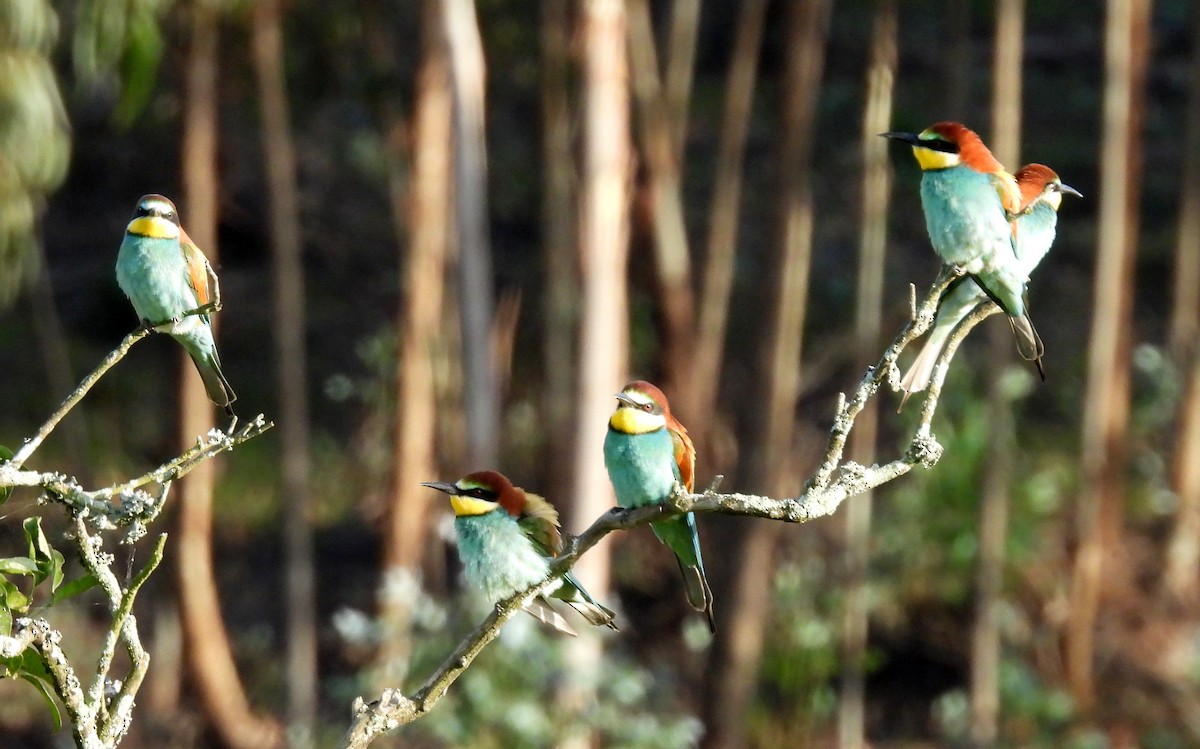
[[154, 275], [1035, 234], [963, 215], [642, 466], [497, 557]]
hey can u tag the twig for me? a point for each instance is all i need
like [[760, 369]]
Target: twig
[[822, 496], [115, 356]]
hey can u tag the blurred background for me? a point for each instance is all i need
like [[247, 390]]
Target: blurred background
[[448, 231]]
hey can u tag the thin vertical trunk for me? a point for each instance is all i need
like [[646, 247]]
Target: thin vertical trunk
[[957, 56], [422, 205], [1183, 552], [209, 654], [709, 341], [876, 177], [1185, 309], [475, 295], [1106, 395], [998, 470], [681, 61], [558, 246], [291, 368], [604, 339], [655, 138], [740, 638]]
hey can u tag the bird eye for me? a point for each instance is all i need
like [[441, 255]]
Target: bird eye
[[647, 407]]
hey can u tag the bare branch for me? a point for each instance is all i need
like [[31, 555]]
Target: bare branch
[[822, 496]]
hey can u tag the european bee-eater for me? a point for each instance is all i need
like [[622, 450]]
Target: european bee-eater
[[506, 538], [1041, 193], [968, 199], [646, 451], [166, 276]]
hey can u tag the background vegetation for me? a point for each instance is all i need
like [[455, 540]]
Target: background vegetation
[[412, 292]]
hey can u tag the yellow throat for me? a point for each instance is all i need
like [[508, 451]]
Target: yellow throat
[[629, 420], [470, 506], [929, 159], [154, 227]]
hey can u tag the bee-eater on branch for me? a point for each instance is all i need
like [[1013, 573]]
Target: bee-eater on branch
[[506, 538], [646, 451], [168, 278], [1041, 193], [969, 200]]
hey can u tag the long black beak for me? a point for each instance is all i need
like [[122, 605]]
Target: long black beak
[[625, 399], [1069, 190], [442, 486], [910, 138]]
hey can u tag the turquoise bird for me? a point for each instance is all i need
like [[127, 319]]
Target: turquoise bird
[[506, 538], [969, 199], [166, 276], [646, 451], [1035, 225]]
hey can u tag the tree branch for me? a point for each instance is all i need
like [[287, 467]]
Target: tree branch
[[833, 481]]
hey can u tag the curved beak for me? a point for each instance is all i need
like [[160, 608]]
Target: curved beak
[[910, 138], [1069, 190], [442, 486], [626, 400]]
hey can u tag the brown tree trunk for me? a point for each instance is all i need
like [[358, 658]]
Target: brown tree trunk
[[699, 397], [1183, 552], [680, 68], [560, 265], [604, 339], [1106, 396], [475, 296], [209, 655], [424, 209], [738, 648], [291, 364], [998, 469], [868, 322], [656, 140]]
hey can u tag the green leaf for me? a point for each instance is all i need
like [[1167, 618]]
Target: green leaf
[[13, 598], [39, 545], [47, 695], [18, 566], [5, 456], [5, 621], [56, 569], [75, 587]]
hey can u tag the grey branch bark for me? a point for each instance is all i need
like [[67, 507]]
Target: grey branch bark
[[834, 481], [101, 713]]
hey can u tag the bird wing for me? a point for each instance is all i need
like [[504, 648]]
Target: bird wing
[[685, 454], [1008, 190], [200, 274], [539, 522]]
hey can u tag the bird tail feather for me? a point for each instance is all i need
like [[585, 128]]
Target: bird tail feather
[[573, 594], [540, 609]]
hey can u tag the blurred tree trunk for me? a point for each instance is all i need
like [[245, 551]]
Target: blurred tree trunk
[[681, 63], [876, 176], [1183, 552], [475, 295], [559, 310], [1001, 451], [604, 338], [738, 648], [656, 140], [209, 655], [291, 363], [957, 55], [1106, 396], [422, 204], [1185, 310], [700, 396]]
